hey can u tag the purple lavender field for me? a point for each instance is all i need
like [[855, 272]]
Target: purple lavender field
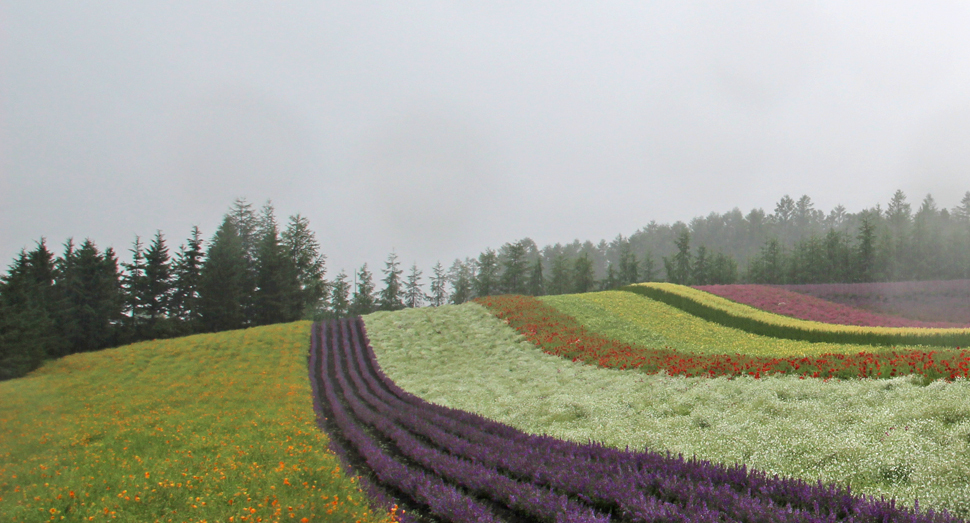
[[445, 465], [932, 301]]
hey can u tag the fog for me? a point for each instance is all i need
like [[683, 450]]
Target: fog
[[437, 129]]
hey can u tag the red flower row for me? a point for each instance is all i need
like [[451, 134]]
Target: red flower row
[[560, 334]]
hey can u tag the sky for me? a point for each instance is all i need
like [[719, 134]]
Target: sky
[[436, 129]]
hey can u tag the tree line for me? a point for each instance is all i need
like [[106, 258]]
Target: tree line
[[252, 273], [85, 299]]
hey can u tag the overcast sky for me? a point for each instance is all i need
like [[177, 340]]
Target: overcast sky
[[437, 129]]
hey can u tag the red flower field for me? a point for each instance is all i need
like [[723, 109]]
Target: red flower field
[[560, 334]]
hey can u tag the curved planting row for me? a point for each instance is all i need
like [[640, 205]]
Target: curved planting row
[[947, 300], [560, 334], [450, 465], [806, 307], [720, 310]]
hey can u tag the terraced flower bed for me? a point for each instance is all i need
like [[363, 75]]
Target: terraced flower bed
[[947, 300], [744, 317], [444, 464], [808, 307], [562, 335]]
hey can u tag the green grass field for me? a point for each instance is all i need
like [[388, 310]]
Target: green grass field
[[215, 427], [895, 437], [632, 318]]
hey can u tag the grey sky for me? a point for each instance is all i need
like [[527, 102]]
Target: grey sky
[[440, 128]]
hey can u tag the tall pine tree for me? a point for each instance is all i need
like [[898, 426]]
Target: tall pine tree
[[391, 297], [223, 283]]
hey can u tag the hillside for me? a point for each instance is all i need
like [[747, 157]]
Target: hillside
[[213, 427]]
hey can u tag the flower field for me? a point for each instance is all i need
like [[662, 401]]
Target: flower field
[[599, 334], [807, 307], [896, 438], [744, 317], [467, 469], [216, 427], [919, 300]]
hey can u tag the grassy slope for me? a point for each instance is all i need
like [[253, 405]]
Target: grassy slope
[[216, 427], [890, 437], [632, 318]]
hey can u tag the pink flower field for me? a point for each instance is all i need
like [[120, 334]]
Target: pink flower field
[[807, 307], [938, 300]]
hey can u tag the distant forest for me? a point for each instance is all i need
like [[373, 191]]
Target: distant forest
[[253, 273]]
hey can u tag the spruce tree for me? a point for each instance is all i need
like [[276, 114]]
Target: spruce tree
[[414, 295], [247, 225], [278, 297], [391, 297], [629, 267], [363, 301], [679, 268], [515, 267], [439, 281], [27, 330], [91, 299], [300, 244], [559, 277], [462, 280], [223, 283], [133, 284], [187, 274], [158, 286], [486, 277], [701, 271], [583, 274], [537, 282], [340, 296]]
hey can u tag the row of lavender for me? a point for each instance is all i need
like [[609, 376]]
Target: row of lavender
[[456, 466]]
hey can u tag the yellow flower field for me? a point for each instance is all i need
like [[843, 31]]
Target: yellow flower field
[[213, 427]]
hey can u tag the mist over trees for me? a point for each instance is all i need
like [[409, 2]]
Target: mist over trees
[[255, 272]]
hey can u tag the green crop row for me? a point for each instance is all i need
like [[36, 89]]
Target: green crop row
[[749, 319]]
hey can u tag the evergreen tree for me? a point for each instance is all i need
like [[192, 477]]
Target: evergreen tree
[[340, 296], [301, 245], [866, 253], [223, 281], [612, 280], [134, 286], [363, 301], [559, 280], [537, 282], [278, 297], [462, 279], [486, 278], [91, 303], [187, 275], [391, 297], [724, 270], [679, 268], [701, 271], [649, 272], [158, 286], [439, 280], [27, 329], [583, 280], [414, 295], [247, 226], [515, 265], [629, 267]]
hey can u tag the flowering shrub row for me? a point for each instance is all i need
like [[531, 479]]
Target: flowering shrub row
[[739, 316], [457, 466], [807, 307], [559, 334], [920, 300]]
